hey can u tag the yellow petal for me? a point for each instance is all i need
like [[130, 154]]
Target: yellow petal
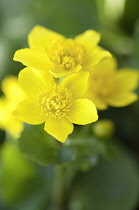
[[76, 84], [8, 121], [122, 99], [101, 82], [12, 89], [58, 128], [28, 112], [58, 72], [107, 65], [15, 127], [95, 57], [88, 38], [34, 81], [41, 37], [128, 79], [101, 105], [99, 102], [82, 112], [9, 86], [35, 58], [4, 114]]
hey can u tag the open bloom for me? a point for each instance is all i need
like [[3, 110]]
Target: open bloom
[[57, 105], [53, 52], [108, 86], [13, 95]]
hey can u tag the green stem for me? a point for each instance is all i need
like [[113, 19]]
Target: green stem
[[58, 188], [81, 142]]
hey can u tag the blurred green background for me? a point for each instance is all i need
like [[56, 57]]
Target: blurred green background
[[100, 183]]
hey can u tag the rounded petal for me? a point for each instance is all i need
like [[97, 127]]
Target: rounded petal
[[34, 81], [88, 38], [9, 85], [122, 99], [4, 112], [82, 112], [76, 83], [128, 79], [35, 58], [101, 78], [107, 65], [8, 121], [99, 102], [12, 89], [97, 56], [41, 37], [58, 72], [28, 112], [58, 128], [14, 127]]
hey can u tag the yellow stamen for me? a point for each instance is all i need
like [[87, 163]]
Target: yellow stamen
[[66, 53], [55, 103]]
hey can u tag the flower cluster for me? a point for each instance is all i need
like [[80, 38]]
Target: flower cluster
[[67, 80]]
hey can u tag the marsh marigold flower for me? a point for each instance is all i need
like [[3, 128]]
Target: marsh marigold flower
[[59, 105], [13, 94], [53, 52], [108, 86]]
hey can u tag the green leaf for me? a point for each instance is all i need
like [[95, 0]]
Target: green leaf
[[38, 145], [110, 185], [17, 174]]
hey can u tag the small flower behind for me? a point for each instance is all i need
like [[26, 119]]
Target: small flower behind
[[52, 52], [110, 87], [13, 94], [57, 105]]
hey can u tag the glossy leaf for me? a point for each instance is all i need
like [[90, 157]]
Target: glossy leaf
[[110, 185], [38, 145]]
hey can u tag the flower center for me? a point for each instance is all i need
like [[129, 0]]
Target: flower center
[[55, 103], [66, 53], [103, 84]]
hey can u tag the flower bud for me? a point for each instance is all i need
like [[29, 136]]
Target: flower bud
[[103, 128]]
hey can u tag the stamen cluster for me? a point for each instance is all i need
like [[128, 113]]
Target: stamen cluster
[[67, 53], [55, 103]]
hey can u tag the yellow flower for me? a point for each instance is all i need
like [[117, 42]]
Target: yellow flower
[[110, 87], [13, 95], [53, 52], [59, 105]]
